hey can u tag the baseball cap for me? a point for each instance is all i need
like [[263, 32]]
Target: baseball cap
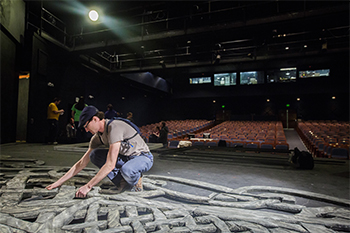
[[87, 113]]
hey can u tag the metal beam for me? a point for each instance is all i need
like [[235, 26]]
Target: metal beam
[[211, 29]]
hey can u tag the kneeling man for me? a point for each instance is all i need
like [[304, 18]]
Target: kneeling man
[[123, 162]]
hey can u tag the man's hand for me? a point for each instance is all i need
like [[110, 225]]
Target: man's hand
[[82, 191], [52, 186]]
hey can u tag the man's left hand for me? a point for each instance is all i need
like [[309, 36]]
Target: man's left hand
[[82, 191]]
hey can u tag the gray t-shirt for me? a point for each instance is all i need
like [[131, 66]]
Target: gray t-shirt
[[118, 131]]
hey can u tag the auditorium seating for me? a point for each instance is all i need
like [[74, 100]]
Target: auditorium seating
[[177, 128], [320, 137], [248, 132], [249, 135], [328, 139]]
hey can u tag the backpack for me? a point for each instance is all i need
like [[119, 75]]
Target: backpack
[[222, 143], [126, 121], [303, 159]]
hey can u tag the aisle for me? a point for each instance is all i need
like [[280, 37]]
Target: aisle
[[294, 140]]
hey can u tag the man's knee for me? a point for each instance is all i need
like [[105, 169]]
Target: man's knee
[[98, 157], [127, 171]]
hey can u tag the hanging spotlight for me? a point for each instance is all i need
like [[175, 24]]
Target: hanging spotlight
[[93, 15], [217, 58], [162, 63]]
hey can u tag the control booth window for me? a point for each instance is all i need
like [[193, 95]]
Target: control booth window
[[225, 79], [283, 75], [200, 80], [252, 77], [314, 73]]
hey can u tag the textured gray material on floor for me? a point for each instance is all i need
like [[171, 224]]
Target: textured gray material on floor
[[82, 147], [180, 196], [252, 208]]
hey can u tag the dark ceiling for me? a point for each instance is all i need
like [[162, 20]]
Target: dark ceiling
[[157, 35]]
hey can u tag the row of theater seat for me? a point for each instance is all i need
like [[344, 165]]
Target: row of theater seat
[[229, 143], [177, 128], [243, 134], [247, 131], [325, 139]]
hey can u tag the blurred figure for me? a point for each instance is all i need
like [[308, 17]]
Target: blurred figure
[[154, 136], [71, 131], [110, 113], [53, 115], [129, 117], [77, 108], [163, 134]]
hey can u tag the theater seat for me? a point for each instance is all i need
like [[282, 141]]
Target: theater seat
[[267, 146], [252, 145], [212, 144], [237, 144], [173, 144], [282, 146], [339, 153], [198, 143]]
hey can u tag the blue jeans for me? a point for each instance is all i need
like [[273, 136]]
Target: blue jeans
[[127, 167]]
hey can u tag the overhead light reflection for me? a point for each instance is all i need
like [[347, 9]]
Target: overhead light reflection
[[93, 15]]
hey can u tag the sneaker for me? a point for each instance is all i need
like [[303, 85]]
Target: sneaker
[[138, 187]]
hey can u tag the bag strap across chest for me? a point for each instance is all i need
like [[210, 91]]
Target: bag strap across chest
[[126, 121]]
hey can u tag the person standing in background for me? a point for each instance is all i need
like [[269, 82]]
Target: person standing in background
[[129, 117], [77, 108], [53, 115], [71, 131], [163, 134], [110, 113]]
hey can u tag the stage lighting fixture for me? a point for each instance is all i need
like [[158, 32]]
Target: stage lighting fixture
[[162, 64], [93, 15], [217, 59]]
